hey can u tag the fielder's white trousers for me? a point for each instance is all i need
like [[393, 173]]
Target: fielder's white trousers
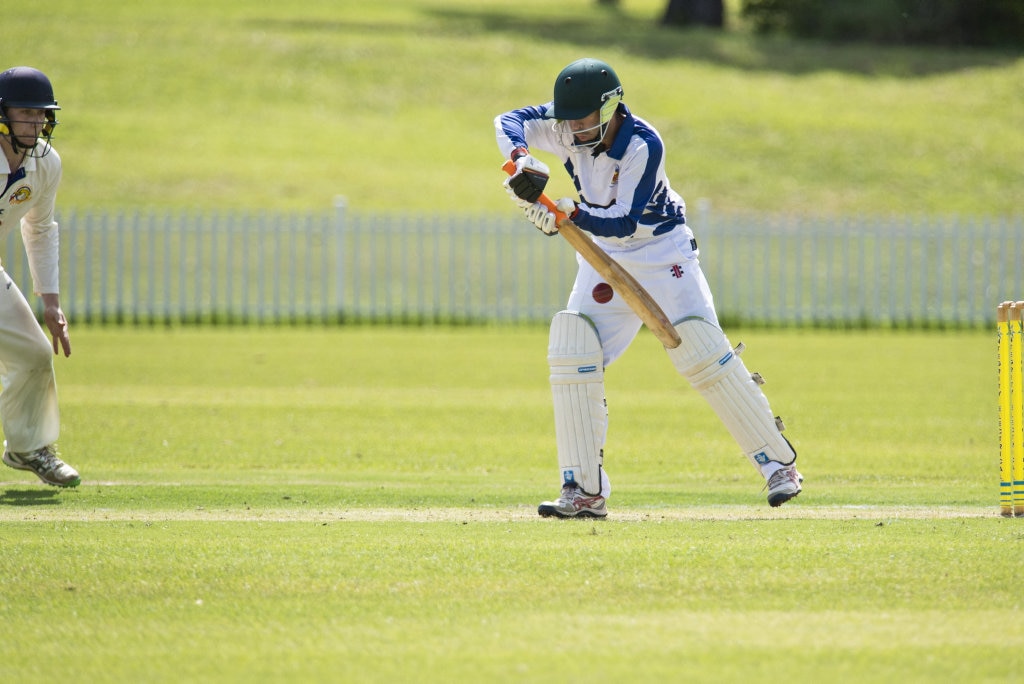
[[29, 413]]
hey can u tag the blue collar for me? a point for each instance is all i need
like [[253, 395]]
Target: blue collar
[[621, 142], [13, 178]]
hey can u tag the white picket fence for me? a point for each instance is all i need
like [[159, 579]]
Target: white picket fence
[[347, 266]]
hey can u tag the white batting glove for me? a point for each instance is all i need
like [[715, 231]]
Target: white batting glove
[[567, 206], [541, 217]]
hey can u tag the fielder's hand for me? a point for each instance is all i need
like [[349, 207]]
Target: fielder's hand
[[541, 217], [530, 178], [56, 324]]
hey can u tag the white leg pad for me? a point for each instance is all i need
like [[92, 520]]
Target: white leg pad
[[715, 370], [576, 360]]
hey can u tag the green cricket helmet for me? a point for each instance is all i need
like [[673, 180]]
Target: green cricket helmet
[[586, 86]]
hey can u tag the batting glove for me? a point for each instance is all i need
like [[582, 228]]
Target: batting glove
[[520, 202], [539, 215], [568, 207], [530, 178]]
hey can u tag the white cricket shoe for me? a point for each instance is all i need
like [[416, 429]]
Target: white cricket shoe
[[45, 464], [783, 485], [573, 503]]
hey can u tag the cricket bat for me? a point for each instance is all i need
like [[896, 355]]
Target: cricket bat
[[615, 275]]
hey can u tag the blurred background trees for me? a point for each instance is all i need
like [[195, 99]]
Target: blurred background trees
[[694, 12], [974, 23]]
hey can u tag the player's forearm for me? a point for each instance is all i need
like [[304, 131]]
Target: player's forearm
[[42, 247]]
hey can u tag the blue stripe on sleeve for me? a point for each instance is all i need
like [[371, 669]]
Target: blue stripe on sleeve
[[512, 123]]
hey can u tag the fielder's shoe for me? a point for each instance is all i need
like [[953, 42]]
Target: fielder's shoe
[[573, 503], [783, 485], [45, 464]]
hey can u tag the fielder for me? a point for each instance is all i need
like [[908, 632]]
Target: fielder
[[616, 161], [28, 401]]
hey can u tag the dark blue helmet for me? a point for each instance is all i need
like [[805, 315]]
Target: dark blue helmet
[[27, 88]]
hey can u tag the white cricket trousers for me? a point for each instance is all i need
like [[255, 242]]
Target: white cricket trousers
[[667, 267], [29, 413]]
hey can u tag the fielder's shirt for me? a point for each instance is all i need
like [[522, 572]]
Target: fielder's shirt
[[29, 202]]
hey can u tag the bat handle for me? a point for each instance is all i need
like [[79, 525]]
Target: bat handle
[[509, 167]]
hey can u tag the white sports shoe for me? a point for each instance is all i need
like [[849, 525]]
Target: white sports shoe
[[783, 485], [45, 464], [573, 503]]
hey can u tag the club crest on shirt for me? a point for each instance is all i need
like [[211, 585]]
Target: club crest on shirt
[[22, 194], [615, 177]]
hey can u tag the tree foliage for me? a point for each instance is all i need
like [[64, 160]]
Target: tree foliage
[[694, 12], [992, 23]]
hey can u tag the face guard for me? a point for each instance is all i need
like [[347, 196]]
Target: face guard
[[571, 139], [27, 88], [42, 146]]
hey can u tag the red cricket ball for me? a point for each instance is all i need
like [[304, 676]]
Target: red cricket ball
[[603, 293]]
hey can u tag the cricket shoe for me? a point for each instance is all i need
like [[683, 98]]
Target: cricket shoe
[[45, 464], [573, 503], [783, 485]]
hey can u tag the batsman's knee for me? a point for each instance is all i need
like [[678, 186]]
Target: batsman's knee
[[574, 349], [704, 352]]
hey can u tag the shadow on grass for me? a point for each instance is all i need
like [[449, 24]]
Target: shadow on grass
[[600, 29], [596, 31], [30, 497]]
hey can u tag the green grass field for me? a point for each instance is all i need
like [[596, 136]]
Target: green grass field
[[358, 505], [251, 104]]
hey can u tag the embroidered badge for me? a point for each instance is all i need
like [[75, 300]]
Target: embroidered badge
[[22, 194]]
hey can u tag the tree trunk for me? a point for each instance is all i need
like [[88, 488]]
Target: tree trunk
[[694, 13]]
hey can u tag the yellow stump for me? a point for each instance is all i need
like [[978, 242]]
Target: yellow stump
[[1005, 429], [1016, 325]]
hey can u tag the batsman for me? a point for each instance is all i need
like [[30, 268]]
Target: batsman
[[626, 205]]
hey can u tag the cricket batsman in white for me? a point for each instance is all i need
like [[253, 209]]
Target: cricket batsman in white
[[29, 413], [617, 163]]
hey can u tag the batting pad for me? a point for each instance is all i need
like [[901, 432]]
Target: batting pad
[[708, 361], [577, 386]]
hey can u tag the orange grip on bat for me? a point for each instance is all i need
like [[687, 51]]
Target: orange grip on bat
[[509, 167]]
